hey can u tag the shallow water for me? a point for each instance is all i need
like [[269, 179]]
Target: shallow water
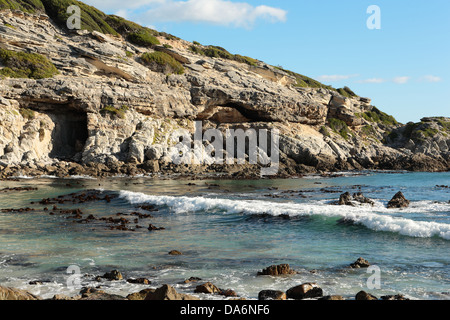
[[230, 230]]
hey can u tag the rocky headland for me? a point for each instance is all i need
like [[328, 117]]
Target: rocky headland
[[105, 100]]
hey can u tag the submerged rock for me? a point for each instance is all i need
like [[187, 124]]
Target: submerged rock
[[398, 201]]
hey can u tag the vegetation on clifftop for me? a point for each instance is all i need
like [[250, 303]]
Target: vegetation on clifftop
[[25, 65], [164, 60]]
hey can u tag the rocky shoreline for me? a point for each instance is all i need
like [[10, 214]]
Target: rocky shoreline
[[160, 170], [201, 290]]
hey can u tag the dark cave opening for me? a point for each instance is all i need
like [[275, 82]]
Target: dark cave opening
[[69, 135]]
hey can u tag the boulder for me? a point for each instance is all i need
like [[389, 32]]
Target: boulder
[[175, 253], [141, 295], [398, 201], [167, 292], [16, 294], [207, 288], [271, 295], [304, 291], [360, 263], [362, 295], [277, 270]]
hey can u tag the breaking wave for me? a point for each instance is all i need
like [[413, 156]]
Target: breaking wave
[[376, 218]]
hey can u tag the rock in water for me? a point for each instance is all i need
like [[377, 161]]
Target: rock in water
[[362, 199], [282, 269], [360, 263], [305, 291], [114, 275], [398, 201], [346, 199]]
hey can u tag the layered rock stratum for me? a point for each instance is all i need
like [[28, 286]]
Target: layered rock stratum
[[108, 111]]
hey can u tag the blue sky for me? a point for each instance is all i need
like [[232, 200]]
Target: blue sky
[[404, 66]]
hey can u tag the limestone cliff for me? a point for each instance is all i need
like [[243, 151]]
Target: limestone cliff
[[109, 107]]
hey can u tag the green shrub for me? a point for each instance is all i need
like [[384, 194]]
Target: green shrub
[[27, 113], [26, 65], [378, 116], [219, 52], [346, 92], [143, 38], [30, 6], [162, 59], [445, 124], [340, 127], [324, 130], [368, 131], [119, 112], [92, 19]]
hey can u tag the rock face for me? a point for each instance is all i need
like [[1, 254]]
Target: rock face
[[398, 201], [106, 114], [16, 294]]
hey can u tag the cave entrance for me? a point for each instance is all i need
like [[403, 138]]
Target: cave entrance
[[69, 135]]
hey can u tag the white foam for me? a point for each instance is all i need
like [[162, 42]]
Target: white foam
[[377, 218]]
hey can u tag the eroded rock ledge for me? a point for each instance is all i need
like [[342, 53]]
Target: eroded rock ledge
[[106, 113]]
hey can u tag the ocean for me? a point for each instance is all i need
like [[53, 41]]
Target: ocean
[[227, 231]]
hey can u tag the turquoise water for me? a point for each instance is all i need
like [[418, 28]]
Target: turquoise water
[[230, 230]]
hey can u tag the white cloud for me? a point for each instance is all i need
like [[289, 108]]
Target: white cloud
[[401, 80], [219, 12], [372, 80], [430, 78], [335, 77]]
